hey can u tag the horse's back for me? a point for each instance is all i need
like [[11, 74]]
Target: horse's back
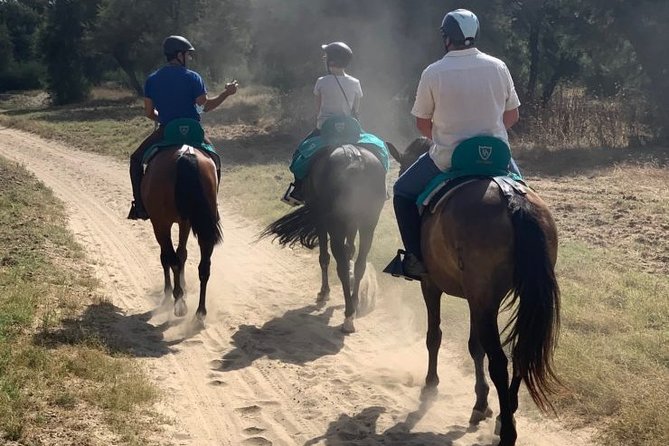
[[349, 179], [469, 239], [158, 183]]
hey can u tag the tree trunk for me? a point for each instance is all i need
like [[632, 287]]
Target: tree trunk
[[129, 71]]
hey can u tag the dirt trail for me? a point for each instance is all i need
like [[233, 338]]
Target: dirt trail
[[271, 367]]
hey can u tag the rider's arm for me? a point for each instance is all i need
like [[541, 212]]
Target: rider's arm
[[510, 117], [210, 104], [424, 127], [149, 110]]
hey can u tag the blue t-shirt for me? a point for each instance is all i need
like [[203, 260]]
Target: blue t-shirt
[[173, 90]]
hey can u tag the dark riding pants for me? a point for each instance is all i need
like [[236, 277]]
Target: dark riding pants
[[406, 190]]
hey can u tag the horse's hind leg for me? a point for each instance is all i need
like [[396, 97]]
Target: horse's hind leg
[[366, 237], [337, 244], [182, 252], [324, 261], [170, 261], [206, 248], [432, 297], [485, 323], [481, 409]]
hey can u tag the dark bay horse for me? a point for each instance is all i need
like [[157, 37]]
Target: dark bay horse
[[180, 186], [344, 194], [479, 246]]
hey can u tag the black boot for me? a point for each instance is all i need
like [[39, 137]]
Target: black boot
[[137, 211], [408, 221]]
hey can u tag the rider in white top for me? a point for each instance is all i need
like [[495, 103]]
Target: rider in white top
[[465, 94], [332, 100], [337, 94]]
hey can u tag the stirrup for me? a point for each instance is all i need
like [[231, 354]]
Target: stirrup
[[396, 267], [288, 197]]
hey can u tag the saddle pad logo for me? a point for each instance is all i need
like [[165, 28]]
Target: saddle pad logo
[[485, 152], [184, 129], [340, 126]]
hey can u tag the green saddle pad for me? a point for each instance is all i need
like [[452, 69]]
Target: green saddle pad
[[482, 156], [179, 132], [335, 132]]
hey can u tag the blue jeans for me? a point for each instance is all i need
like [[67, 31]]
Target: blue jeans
[[406, 190]]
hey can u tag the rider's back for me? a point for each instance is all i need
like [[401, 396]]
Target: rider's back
[[173, 90]]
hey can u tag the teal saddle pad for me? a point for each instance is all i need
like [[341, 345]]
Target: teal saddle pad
[[179, 132], [480, 156], [335, 132]]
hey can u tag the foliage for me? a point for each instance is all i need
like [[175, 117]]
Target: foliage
[[609, 47], [62, 43]]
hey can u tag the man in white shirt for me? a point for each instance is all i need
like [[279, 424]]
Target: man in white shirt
[[464, 94], [337, 94]]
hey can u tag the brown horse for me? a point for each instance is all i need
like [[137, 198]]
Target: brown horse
[[180, 186], [482, 247]]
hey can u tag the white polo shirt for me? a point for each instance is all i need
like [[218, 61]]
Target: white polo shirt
[[333, 102], [465, 94]]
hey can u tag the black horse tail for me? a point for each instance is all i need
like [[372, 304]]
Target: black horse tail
[[297, 227], [535, 323], [192, 203]]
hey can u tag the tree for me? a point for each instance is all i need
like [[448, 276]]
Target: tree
[[62, 43]]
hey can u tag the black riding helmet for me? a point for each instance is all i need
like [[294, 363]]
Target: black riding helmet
[[461, 27], [338, 53], [174, 45]]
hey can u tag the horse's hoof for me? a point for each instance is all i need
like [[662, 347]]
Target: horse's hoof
[[428, 392], [323, 296], [479, 415], [180, 308], [347, 326]]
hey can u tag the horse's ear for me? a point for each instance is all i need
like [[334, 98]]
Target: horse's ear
[[394, 152]]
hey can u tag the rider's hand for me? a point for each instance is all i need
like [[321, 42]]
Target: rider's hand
[[231, 88]]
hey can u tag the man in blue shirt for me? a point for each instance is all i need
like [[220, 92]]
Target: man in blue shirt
[[171, 92]]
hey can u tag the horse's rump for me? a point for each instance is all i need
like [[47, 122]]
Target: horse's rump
[[180, 184], [347, 182]]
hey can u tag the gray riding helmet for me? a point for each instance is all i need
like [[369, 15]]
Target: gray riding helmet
[[338, 53], [176, 44], [461, 26]]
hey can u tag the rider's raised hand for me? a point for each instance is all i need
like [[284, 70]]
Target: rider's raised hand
[[231, 87]]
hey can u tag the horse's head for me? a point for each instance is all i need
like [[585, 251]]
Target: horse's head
[[411, 154]]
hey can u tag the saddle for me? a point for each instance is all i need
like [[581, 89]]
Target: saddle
[[336, 132], [180, 132], [473, 159]]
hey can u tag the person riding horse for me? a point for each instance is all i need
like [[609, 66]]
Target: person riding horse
[[465, 94], [337, 94], [171, 92]]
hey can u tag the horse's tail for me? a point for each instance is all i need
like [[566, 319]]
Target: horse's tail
[[535, 323], [297, 227], [192, 203]]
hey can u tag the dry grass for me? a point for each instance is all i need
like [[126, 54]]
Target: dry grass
[[74, 393]]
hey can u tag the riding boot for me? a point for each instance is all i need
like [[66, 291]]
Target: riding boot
[[408, 221], [137, 210]]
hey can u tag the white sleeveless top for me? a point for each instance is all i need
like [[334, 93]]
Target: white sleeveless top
[[332, 99]]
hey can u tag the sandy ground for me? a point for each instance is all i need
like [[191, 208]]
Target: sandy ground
[[270, 367]]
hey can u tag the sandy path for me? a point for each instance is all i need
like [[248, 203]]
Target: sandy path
[[270, 368]]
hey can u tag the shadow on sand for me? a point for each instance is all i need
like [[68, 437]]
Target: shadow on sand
[[298, 337], [104, 323], [361, 429]]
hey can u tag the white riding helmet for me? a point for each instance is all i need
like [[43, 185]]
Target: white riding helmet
[[461, 26]]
